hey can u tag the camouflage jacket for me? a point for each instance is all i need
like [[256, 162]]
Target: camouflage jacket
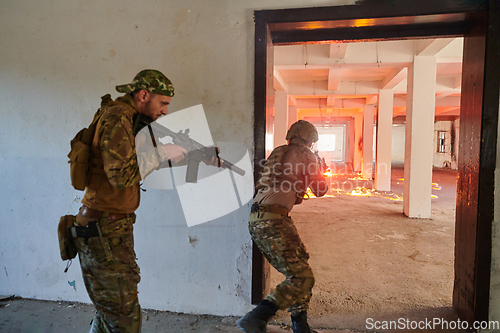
[[115, 173]]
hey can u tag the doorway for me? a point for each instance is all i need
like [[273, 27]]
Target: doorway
[[367, 257], [371, 21]]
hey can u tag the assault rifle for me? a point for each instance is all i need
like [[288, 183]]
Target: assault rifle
[[324, 167], [196, 151]]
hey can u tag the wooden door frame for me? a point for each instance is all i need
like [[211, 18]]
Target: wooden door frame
[[372, 20]]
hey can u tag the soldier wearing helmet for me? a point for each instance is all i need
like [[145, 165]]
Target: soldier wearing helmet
[[287, 174], [108, 264], [303, 130]]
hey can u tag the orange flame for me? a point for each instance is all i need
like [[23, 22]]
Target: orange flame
[[395, 198], [360, 191], [436, 186], [358, 178], [310, 194]]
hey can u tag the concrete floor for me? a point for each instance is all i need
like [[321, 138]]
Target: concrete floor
[[341, 303], [19, 315], [370, 261]]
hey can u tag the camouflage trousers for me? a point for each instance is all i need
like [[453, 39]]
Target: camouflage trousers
[[111, 275], [279, 242]]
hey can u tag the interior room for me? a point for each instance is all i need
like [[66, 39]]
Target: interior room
[[368, 256]]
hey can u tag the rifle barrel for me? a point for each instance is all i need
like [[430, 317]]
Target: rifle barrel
[[162, 131], [228, 165]]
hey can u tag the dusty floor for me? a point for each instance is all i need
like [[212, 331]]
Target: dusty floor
[[369, 261], [19, 315]]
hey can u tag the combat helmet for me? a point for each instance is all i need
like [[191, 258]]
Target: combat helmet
[[304, 130]]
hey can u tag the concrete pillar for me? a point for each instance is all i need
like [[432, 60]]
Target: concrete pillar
[[351, 144], [384, 140], [358, 144], [280, 117], [292, 115], [420, 105], [368, 141], [345, 152]]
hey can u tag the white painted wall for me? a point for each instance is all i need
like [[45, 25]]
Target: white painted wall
[[58, 57], [398, 143], [449, 157]]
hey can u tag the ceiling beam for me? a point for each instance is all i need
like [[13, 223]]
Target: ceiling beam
[[442, 95], [348, 90], [329, 66], [320, 88], [338, 50], [441, 101], [394, 78], [451, 111], [450, 101], [322, 103], [302, 113], [371, 99], [279, 82], [431, 47], [334, 75]]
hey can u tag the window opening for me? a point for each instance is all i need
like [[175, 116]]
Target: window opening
[[441, 142]]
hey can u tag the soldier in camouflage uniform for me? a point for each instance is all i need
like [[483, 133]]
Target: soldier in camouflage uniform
[[108, 264], [287, 173]]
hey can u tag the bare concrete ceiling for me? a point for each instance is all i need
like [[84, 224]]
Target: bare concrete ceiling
[[326, 80]]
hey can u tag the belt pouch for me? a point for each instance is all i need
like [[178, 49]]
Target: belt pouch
[[66, 245]]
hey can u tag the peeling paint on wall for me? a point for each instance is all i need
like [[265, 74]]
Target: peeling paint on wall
[[192, 240], [72, 284], [243, 267]]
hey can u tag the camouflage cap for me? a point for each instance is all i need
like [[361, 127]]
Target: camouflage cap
[[150, 80]]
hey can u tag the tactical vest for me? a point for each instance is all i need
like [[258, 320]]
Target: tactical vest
[[273, 173], [96, 162]]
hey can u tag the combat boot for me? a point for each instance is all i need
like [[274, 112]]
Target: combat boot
[[99, 326], [256, 320], [300, 324], [96, 326]]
